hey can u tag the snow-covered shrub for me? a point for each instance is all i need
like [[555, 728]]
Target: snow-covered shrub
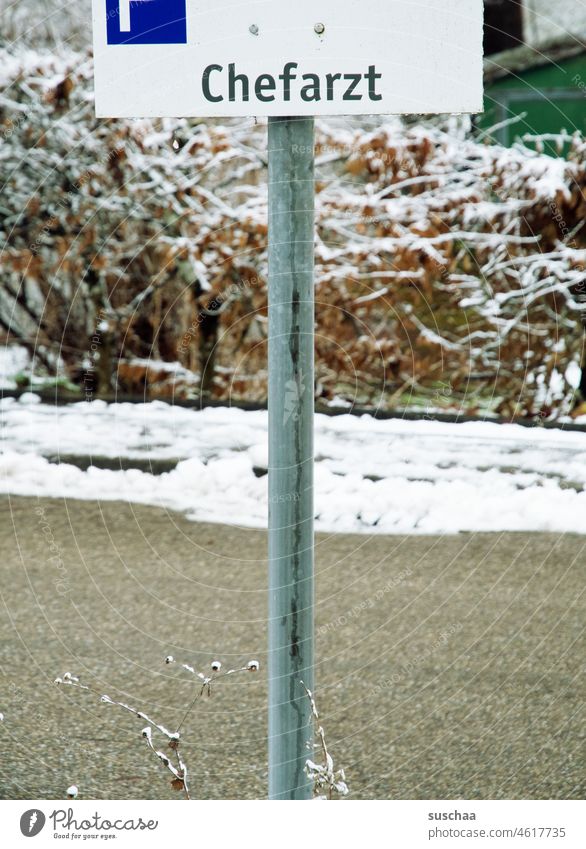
[[449, 272]]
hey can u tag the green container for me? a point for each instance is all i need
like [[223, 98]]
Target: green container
[[545, 90]]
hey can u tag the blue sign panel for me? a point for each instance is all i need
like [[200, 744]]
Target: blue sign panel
[[146, 21]]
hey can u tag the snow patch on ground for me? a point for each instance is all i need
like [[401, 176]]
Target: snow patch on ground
[[371, 476], [14, 359]]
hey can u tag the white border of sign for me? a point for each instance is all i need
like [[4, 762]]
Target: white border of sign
[[311, 57]]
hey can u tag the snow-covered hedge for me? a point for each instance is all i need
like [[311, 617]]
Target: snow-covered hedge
[[449, 272]]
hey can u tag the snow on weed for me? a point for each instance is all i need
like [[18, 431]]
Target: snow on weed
[[371, 476]]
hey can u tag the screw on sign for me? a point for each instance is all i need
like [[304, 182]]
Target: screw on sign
[[290, 63]]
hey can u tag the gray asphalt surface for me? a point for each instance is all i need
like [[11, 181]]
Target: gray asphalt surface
[[449, 667]]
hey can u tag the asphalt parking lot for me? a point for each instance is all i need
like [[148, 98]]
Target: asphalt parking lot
[[448, 667]]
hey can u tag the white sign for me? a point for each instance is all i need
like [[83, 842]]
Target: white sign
[[188, 58]]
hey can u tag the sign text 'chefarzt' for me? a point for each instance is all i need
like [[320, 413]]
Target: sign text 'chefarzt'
[[221, 83]]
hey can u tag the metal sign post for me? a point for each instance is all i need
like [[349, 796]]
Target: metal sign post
[[291, 345], [211, 58]]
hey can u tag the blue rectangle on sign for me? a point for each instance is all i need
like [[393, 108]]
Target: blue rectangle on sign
[[146, 21]]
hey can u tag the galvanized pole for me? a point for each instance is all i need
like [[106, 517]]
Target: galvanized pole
[[291, 343]]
